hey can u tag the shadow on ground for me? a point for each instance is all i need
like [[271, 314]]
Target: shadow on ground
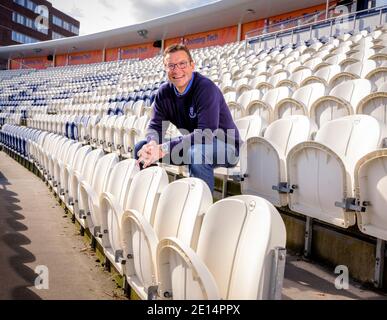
[[15, 277]]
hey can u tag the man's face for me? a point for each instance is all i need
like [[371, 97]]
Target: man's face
[[179, 69]]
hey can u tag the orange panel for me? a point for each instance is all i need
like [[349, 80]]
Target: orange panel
[[31, 63], [249, 26], [15, 64], [141, 51], [61, 60], [37, 63], [211, 38], [85, 57], [298, 13], [168, 42], [111, 54]]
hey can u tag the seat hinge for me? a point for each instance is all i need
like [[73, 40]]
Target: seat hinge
[[239, 177], [352, 204], [284, 187]]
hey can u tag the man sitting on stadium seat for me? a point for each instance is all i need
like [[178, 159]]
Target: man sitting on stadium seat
[[195, 105]]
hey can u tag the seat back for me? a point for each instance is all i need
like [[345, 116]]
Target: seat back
[[375, 105], [191, 197], [79, 158], [273, 96], [62, 154], [352, 91], [287, 132], [269, 99], [370, 188], [342, 101], [325, 74], [109, 129], [300, 75], [351, 137], [102, 171], [120, 179], [145, 190], [264, 163], [247, 97], [300, 102], [250, 126], [89, 164], [235, 248]]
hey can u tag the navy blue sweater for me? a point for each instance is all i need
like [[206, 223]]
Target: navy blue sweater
[[201, 107]]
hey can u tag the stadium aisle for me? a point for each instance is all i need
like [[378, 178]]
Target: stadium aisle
[[34, 232], [307, 280]]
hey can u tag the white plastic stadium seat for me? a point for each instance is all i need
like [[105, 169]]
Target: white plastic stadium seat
[[235, 255], [371, 191], [300, 101], [143, 197], [179, 214], [321, 172], [265, 106], [375, 104], [263, 160], [341, 101], [90, 191], [85, 174]]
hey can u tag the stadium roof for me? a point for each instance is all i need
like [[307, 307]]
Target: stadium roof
[[208, 17]]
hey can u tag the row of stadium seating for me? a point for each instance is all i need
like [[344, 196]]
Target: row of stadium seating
[[164, 238], [356, 57], [336, 91], [312, 116], [57, 90], [274, 158], [110, 132]]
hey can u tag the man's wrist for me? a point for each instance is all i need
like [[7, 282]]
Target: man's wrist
[[165, 147]]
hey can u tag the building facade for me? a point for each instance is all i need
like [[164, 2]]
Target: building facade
[[29, 21]]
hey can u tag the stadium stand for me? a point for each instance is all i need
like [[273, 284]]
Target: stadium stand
[[312, 114]]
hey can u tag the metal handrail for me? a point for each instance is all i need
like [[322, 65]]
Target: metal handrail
[[294, 20], [378, 10]]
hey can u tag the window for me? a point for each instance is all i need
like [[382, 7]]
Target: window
[[380, 3], [74, 29], [56, 35], [29, 23], [25, 21], [31, 5], [20, 2], [22, 38], [66, 25], [57, 21], [20, 19]]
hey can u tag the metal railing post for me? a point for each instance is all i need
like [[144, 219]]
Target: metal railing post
[[380, 17], [330, 32], [270, 30], [379, 263], [310, 34], [354, 23]]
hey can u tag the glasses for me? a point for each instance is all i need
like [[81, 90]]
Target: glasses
[[180, 65]]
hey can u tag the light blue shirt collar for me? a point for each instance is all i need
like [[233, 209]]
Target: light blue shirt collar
[[186, 89]]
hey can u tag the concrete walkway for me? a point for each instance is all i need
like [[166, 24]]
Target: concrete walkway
[[35, 232], [307, 280]]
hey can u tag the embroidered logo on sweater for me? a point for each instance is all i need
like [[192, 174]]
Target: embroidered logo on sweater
[[192, 113]]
